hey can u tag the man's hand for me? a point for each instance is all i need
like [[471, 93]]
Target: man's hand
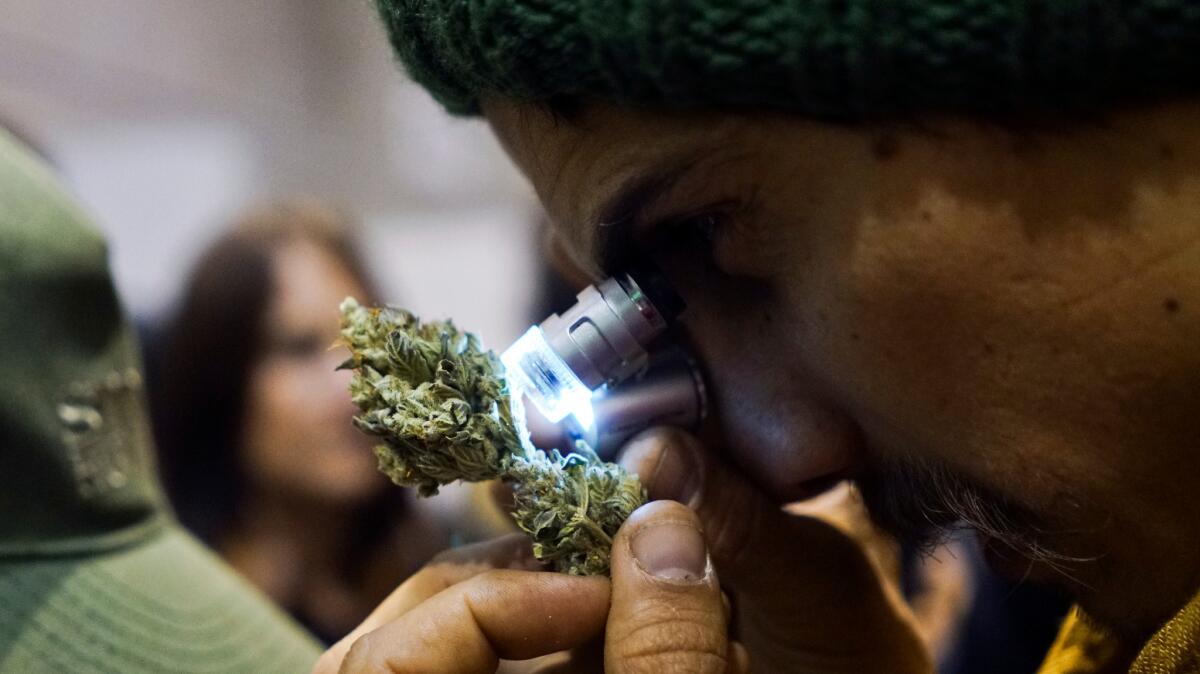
[[808, 596], [468, 607], [662, 611], [668, 614]]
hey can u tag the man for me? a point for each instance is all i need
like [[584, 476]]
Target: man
[[95, 573], [950, 251]]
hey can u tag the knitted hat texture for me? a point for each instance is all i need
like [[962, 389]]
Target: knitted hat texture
[[829, 58]]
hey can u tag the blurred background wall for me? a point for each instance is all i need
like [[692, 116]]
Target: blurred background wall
[[167, 116]]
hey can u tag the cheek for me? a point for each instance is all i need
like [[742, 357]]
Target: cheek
[[298, 429], [277, 416], [926, 333]]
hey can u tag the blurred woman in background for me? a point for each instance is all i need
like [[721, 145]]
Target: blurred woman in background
[[253, 420]]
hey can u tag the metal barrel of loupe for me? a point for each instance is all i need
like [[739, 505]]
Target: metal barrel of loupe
[[591, 369], [670, 392]]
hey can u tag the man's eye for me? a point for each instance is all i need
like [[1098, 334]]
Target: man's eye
[[703, 227], [692, 233]]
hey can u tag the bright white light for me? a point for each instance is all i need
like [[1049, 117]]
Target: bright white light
[[583, 413], [535, 370]]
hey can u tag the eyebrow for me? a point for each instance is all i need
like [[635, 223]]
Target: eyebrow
[[616, 218]]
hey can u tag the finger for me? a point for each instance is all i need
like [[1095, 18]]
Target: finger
[[468, 627], [588, 659], [667, 613], [739, 659], [843, 507], [555, 662], [514, 551], [742, 526], [446, 569], [772, 560]]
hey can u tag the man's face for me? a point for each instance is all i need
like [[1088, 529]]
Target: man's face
[[965, 319]]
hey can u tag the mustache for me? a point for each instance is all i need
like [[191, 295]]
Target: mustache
[[922, 502]]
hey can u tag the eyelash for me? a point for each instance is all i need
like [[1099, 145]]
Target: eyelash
[[704, 225], [695, 233], [699, 229]]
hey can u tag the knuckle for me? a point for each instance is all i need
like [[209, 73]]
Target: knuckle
[[366, 656], [488, 586], [359, 657], [492, 577], [670, 641], [675, 662]]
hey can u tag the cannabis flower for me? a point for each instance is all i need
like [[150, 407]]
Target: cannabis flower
[[444, 412]]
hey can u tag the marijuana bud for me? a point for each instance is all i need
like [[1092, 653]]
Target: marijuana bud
[[443, 410]]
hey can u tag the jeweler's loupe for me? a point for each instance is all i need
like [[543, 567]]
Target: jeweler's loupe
[[597, 370]]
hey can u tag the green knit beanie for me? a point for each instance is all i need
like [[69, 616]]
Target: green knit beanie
[[830, 58]]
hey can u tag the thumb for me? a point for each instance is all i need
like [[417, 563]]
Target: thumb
[[742, 525], [667, 613], [802, 585]]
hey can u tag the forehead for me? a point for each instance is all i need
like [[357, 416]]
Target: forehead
[[307, 280], [579, 166]]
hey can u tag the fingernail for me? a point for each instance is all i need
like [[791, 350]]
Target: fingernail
[[671, 551], [664, 466]]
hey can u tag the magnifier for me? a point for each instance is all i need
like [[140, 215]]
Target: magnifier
[[598, 370]]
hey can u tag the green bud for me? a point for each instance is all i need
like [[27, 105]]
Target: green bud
[[441, 406]]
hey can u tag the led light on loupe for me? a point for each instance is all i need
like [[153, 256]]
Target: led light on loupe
[[535, 370]]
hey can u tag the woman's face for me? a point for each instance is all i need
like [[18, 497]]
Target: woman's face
[[297, 435]]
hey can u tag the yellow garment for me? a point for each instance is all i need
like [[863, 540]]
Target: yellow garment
[[1082, 648]]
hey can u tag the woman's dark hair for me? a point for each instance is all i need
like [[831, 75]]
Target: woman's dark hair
[[200, 373]]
